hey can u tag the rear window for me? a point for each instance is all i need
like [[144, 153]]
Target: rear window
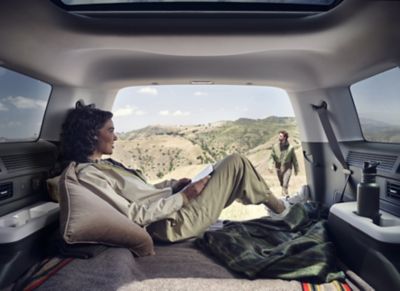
[[23, 101], [377, 100], [170, 132]]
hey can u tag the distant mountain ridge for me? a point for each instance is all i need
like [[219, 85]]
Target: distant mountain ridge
[[379, 131], [159, 150]]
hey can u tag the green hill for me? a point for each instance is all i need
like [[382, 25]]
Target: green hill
[[159, 150]]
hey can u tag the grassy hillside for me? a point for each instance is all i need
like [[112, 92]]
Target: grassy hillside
[[159, 150], [380, 131]]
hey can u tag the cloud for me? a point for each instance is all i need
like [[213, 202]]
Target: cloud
[[41, 103], [164, 112], [242, 109], [199, 93], [3, 107], [26, 103], [175, 113], [148, 91], [128, 110], [125, 111], [2, 71], [180, 113], [140, 112], [10, 124]]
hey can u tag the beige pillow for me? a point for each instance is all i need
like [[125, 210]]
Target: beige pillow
[[53, 188], [87, 218]]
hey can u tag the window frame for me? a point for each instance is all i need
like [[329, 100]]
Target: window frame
[[357, 111], [44, 111]]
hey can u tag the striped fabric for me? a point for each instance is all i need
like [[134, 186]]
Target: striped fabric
[[332, 286], [48, 269]]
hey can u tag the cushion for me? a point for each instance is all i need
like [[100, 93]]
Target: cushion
[[53, 188], [87, 218]]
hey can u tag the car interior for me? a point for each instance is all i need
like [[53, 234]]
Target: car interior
[[338, 61]]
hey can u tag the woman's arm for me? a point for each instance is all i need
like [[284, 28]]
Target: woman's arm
[[166, 183], [143, 213]]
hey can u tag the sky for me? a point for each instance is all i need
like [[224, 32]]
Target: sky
[[23, 101], [138, 107], [376, 97]]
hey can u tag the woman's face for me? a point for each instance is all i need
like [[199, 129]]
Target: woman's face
[[105, 139]]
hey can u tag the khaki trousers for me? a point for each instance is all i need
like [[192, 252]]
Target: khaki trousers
[[233, 178], [284, 178]]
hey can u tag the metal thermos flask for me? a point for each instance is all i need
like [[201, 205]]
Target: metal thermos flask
[[368, 193]]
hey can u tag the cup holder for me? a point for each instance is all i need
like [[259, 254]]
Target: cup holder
[[24, 216], [15, 220], [389, 222], [41, 210], [386, 229], [21, 223]]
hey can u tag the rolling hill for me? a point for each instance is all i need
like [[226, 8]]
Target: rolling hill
[[160, 151]]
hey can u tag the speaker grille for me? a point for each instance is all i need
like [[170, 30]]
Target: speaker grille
[[387, 162], [27, 161]]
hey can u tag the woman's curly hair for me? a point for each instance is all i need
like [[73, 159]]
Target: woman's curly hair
[[79, 131]]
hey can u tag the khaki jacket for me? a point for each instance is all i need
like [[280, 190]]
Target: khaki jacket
[[284, 158], [129, 192]]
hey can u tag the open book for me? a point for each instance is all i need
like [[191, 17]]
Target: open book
[[203, 173]]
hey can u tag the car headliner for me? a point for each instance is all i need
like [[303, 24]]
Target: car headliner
[[330, 49]]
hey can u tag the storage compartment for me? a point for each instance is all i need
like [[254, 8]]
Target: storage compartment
[[366, 247], [21, 223], [387, 231], [23, 237]]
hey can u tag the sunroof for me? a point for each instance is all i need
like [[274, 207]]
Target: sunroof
[[236, 5], [289, 2]]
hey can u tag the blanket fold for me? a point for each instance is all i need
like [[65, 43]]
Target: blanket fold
[[294, 248]]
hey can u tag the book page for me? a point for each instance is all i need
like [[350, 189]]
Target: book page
[[203, 173]]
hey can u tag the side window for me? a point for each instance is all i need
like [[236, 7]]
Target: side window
[[377, 100], [173, 131], [23, 101]]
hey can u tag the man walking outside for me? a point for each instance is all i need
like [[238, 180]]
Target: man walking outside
[[284, 159]]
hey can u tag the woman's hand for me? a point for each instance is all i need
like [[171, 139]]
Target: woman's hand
[[194, 190], [180, 184]]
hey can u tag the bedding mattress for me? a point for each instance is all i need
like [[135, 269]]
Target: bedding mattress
[[179, 266]]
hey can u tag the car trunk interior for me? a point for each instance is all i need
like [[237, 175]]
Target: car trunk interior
[[314, 56]]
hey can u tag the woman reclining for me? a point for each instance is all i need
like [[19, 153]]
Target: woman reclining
[[172, 210]]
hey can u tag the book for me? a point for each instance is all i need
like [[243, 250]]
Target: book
[[203, 173]]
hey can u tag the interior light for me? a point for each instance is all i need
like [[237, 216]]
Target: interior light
[[202, 82]]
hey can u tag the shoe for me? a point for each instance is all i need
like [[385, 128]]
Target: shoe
[[301, 196], [281, 215]]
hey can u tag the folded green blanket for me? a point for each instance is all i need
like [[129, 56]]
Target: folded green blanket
[[294, 248]]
